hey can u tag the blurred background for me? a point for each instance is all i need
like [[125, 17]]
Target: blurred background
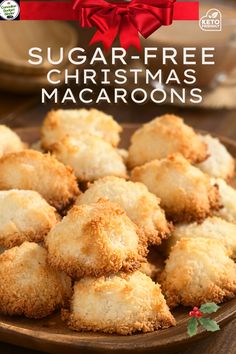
[[20, 83]]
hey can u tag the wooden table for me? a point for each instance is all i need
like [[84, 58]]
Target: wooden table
[[20, 111]]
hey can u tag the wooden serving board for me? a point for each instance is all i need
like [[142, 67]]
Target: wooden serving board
[[51, 335]]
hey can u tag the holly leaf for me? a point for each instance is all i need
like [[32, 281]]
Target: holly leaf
[[192, 327], [210, 307], [209, 325]]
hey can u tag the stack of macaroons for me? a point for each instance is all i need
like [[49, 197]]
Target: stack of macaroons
[[99, 255], [52, 239], [189, 173], [102, 249]]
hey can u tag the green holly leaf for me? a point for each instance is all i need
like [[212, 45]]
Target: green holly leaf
[[209, 325], [209, 307], [192, 327]]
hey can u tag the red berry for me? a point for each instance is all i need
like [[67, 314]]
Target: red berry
[[199, 314], [195, 313]]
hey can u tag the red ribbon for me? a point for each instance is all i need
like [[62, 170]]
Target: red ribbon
[[127, 19], [130, 19], [62, 10]]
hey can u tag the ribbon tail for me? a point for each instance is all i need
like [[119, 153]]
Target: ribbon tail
[[107, 38], [129, 35]]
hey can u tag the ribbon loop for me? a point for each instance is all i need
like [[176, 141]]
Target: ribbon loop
[[127, 19]]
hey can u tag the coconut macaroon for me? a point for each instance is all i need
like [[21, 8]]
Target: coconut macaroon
[[122, 303], [24, 216], [28, 286], [71, 122], [9, 141], [227, 200], [213, 227], [198, 271], [164, 136], [219, 163], [90, 157], [186, 193], [32, 170], [95, 240], [141, 206]]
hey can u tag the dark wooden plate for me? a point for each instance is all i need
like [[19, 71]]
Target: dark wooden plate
[[51, 335]]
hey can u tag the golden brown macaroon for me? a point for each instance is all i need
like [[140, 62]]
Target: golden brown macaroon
[[164, 136], [28, 286], [9, 141], [32, 170], [72, 122], [24, 216], [227, 200], [141, 206], [220, 163], [186, 193], [90, 157], [214, 228], [95, 239], [198, 271], [122, 304]]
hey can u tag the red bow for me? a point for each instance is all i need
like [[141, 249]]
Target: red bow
[[126, 18]]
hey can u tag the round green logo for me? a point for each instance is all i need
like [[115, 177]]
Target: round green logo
[[9, 10]]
